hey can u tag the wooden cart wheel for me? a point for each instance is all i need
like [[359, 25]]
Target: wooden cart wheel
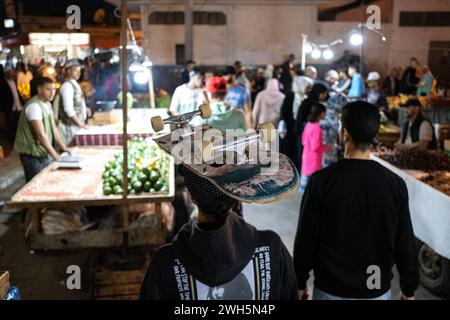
[[267, 131], [205, 111], [157, 123]]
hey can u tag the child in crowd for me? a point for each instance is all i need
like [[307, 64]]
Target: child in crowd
[[313, 147]]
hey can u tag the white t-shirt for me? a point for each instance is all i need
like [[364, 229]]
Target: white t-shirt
[[186, 100], [67, 94], [33, 110], [425, 132]]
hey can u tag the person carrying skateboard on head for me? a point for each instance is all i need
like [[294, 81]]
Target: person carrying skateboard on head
[[219, 256]]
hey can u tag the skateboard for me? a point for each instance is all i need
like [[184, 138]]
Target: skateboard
[[245, 178]]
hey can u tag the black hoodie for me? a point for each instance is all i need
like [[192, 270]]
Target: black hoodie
[[232, 262]]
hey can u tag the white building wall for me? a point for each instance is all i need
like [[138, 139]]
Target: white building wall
[[414, 41], [261, 34]]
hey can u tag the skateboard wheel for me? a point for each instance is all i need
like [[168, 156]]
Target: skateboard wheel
[[205, 111], [207, 151], [157, 123], [267, 131]]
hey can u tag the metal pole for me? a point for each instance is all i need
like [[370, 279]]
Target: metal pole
[[304, 39], [124, 73], [188, 34], [151, 89], [361, 48]]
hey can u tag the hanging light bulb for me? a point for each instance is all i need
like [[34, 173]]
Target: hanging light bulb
[[316, 54], [356, 39], [328, 54], [383, 38], [308, 48], [141, 77]]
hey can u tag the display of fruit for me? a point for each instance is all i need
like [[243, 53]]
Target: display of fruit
[[148, 169], [389, 129], [418, 159], [439, 180]]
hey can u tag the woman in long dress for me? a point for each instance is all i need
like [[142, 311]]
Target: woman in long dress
[[289, 138]]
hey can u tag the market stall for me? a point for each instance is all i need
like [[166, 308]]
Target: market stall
[[427, 177], [106, 128], [71, 188]]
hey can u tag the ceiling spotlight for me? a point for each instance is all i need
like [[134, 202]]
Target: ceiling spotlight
[[383, 38], [356, 39], [316, 54]]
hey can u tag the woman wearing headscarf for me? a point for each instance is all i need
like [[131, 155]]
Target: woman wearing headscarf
[[319, 93], [268, 103], [289, 138]]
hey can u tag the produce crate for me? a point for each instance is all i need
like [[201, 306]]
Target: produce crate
[[107, 117], [388, 138], [118, 285]]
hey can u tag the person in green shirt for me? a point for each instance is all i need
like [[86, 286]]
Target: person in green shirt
[[223, 115], [37, 133]]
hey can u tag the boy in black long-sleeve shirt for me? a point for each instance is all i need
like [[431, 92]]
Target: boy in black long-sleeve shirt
[[354, 222]]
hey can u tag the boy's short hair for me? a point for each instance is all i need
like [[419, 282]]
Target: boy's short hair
[[362, 121], [41, 81]]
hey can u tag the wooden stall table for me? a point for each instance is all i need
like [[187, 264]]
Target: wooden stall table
[[83, 187]]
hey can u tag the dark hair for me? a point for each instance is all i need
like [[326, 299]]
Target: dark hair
[[316, 111], [354, 66], [21, 67], [230, 70], [41, 81], [218, 208], [219, 95], [413, 59], [317, 89], [362, 121]]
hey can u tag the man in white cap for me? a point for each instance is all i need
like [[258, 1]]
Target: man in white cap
[[71, 112], [374, 94]]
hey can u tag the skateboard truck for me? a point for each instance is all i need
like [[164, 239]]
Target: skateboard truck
[[182, 120], [207, 151]]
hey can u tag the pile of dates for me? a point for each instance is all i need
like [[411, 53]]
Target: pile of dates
[[418, 159]]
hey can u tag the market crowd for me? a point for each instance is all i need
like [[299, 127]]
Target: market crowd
[[354, 213], [354, 216]]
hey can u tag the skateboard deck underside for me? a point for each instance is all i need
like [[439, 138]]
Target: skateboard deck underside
[[244, 182]]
